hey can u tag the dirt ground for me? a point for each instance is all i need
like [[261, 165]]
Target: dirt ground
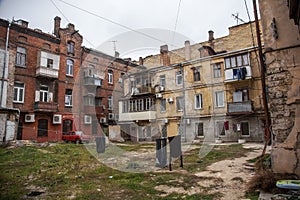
[[235, 174], [228, 177]]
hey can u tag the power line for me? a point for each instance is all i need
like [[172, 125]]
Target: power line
[[177, 16], [116, 23]]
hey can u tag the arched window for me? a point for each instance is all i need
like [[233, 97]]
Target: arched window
[[70, 67], [110, 77]]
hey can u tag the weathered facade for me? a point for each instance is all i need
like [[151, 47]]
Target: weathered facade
[[56, 84], [207, 91], [280, 22]]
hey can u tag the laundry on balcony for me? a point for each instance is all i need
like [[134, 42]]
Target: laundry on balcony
[[240, 73]]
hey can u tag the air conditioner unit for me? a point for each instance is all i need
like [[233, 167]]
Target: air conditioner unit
[[158, 95], [103, 107], [111, 116], [103, 120], [29, 118], [56, 119], [87, 119], [161, 88], [170, 100], [166, 121]]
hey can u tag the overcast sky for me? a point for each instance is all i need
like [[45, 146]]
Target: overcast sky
[[136, 25]]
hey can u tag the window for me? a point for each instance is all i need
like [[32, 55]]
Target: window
[[21, 56], [221, 128], [44, 93], [245, 129], [240, 95], [199, 130], [71, 47], [163, 105], [98, 101], [70, 67], [89, 100], [162, 80], [19, 89], [179, 103], [110, 77], [219, 99], [110, 102], [178, 77], [68, 97], [67, 125], [49, 63], [95, 60], [198, 101], [164, 133], [196, 73], [217, 70], [237, 61]]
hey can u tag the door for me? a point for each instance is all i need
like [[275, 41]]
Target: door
[[43, 128], [20, 130]]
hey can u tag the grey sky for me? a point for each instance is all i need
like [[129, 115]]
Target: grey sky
[[195, 18]]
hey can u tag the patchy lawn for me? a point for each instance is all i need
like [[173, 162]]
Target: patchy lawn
[[69, 171]]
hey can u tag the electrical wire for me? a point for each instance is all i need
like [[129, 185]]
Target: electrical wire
[[177, 16]]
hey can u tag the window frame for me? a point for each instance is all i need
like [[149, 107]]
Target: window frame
[[242, 129], [179, 104], [19, 89], [178, 77], [110, 76], [71, 47], [200, 101], [217, 70], [70, 67], [68, 97], [21, 57], [217, 100], [197, 129], [163, 105], [220, 125], [110, 102], [197, 73], [44, 94], [162, 80]]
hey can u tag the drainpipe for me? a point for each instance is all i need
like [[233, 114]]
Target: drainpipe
[[4, 67], [184, 110]]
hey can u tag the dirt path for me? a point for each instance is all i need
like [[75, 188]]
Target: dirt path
[[234, 173]]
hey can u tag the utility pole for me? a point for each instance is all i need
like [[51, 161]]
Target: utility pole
[[263, 81]]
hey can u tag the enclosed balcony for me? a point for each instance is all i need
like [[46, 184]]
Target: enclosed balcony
[[238, 108], [137, 109], [45, 106], [238, 74], [46, 72], [91, 81]]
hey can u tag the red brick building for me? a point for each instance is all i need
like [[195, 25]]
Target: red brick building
[[50, 89]]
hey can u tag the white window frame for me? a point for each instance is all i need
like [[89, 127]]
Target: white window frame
[[162, 80], [69, 99], [179, 104], [110, 75], [44, 94], [110, 102], [218, 101], [87, 119], [198, 104], [178, 77], [69, 67], [21, 56], [20, 93]]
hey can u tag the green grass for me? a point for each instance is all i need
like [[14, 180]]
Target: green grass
[[65, 170]]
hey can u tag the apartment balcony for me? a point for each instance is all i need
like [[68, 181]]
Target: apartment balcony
[[138, 116], [238, 108], [237, 74], [91, 81], [142, 90], [45, 106], [46, 72]]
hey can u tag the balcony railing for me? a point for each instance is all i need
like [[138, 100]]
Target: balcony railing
[[46, 72], [45, 106], [244, 107]]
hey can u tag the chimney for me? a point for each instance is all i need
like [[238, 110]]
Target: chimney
[[187, 50], [164, 56], [141, 61], [71, 27], [210, 35], [56, 26]]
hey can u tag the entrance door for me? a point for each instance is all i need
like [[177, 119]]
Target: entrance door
[[67, 125], [43, 128], [20, 130], [95, 127]]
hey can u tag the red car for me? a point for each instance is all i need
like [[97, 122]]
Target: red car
[[77, 137]]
